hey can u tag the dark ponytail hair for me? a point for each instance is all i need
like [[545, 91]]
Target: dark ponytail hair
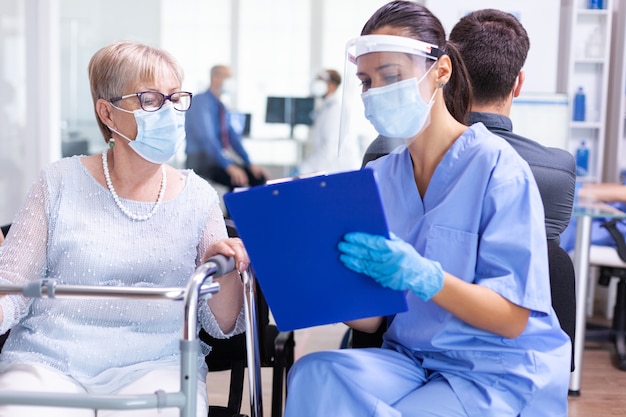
[[419, 23], [458, 91]]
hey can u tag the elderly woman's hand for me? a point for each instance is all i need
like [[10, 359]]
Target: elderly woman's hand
[[232, 247]]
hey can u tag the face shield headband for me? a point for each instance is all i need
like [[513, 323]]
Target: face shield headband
[[395, 111], [389, 43]]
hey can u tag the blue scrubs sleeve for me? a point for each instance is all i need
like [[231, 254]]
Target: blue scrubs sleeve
[[515, 268]]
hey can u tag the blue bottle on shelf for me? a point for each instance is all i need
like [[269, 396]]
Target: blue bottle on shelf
[[582, 160], [579, 105], [595, 4]]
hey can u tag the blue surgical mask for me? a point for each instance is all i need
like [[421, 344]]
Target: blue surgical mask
[[159, 133], [397, 110]]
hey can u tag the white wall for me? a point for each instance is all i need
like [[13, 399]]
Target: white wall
[[12, 106], [29, 114], [540, 19], [85, 27]]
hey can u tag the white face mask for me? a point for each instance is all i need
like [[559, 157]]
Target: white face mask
[[159, 133], [229, 86], [398, 110], [319, 88]]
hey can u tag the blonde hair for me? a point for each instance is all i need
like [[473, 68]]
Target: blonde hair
[[118, 68]]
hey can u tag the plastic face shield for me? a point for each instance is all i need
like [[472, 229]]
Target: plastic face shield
[[384, 63]]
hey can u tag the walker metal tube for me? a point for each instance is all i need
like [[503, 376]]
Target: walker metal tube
[[189, 345], [48, 288], [252, 341], [156, 400]]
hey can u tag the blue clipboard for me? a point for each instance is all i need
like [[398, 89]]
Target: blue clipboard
[[291, 231]]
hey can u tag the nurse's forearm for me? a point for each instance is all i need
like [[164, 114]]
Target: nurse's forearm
[[481, 307]]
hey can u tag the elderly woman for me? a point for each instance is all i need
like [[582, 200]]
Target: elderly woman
[[123, 217]]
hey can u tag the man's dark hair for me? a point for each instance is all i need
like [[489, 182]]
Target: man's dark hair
[[494, 46]]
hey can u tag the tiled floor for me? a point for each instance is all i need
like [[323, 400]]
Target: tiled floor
[[307, 340]]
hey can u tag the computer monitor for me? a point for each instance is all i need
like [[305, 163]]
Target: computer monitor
[[303, 110], [240, 122], [276, 110], [290, 110]]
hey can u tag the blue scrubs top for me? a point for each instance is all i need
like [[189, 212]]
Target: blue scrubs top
[[482, 218]]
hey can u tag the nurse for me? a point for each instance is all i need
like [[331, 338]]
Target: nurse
[[468, 248]]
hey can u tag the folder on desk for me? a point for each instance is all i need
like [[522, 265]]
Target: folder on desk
[[291, 231]]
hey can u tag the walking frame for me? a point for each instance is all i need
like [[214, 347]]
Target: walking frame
[[199, 287]]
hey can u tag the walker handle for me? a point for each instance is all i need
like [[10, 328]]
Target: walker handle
[[224, 264]]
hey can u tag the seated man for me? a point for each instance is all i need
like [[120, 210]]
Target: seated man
[[214, 150]]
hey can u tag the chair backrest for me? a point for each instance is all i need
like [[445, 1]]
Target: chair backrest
[[617, 236], [563, 289], [380, 146]]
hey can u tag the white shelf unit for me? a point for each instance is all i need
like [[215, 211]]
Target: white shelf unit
[[585, 63], [615, 155]]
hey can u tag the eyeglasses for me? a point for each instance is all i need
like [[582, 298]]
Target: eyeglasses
[[153, 100]]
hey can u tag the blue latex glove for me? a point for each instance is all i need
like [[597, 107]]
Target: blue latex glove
[[393, 263]]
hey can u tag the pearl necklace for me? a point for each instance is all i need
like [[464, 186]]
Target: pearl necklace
[[127, 212]]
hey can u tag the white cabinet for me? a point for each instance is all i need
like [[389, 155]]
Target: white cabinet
[[615, 150], [584, 62]]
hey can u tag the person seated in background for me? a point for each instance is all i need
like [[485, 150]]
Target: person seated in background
[[214, 149], [323, 151], [612, 193], [467, 247], [121, 218], [609, 192]]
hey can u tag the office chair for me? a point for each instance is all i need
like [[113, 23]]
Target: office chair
[[5, 229], [380, 146], [276, 351], [612, 264]]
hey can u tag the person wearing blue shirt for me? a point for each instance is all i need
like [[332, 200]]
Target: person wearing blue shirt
[[467, 246], [214, 150]]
